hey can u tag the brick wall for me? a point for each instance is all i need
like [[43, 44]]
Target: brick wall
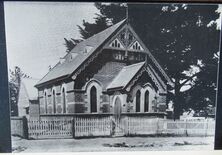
[[161, 103], [105, 103]]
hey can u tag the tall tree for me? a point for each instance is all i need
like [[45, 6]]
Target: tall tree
[[185, 40]]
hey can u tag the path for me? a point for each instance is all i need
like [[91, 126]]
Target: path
[[113, 144]]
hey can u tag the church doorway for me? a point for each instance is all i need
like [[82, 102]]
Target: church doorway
[[117, 108]]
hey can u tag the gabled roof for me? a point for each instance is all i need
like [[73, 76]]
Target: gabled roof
[[125, 76], [81, 52]]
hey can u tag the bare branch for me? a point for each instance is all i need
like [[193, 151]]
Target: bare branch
[[188, 79]]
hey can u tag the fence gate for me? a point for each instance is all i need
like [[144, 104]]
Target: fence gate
[[118, 127]]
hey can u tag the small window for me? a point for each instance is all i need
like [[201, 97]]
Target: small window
[[46, 106], [116, 43], [27, 110], [53, 101], [146, 101], [136, 46], [64, 100]]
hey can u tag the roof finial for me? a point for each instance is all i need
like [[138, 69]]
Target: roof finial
[[127, 14]]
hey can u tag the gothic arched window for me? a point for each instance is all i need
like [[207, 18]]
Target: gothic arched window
[[93, 99], [64, 100], [138, 101], [146, 101], [53, 101], [45, 98]]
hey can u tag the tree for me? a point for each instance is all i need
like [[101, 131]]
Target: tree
[[70, 44], [109, 14], [184, 39], [14, 85]]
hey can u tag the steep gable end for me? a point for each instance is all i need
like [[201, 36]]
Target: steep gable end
[[125, 39], [132, 43]]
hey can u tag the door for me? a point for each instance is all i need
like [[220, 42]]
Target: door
[[118, 125], [117, 109]]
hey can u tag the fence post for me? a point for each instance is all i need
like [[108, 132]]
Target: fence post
[[25, 127], [112, 126], [206, 128], [73, 127], [157, 129], [186, 133]]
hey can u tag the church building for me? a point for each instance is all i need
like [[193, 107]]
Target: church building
[[111, 72]]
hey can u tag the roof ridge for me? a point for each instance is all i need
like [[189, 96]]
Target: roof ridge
[[106, 29]]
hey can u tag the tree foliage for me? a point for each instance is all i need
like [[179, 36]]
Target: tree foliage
[[14, 85], [70, 44], [185, 40]]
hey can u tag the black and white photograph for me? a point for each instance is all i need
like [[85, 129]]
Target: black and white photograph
[[96, 76]]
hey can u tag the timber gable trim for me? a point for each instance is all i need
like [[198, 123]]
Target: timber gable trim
[[146, 69]]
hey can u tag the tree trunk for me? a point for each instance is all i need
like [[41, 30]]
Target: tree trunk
[[177, 104]]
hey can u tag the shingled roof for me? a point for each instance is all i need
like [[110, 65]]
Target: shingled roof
[[79, 54]]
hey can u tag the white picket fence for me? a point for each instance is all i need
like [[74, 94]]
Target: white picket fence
[[80, 126], [89, 127], [190, 128], [52, 127], [142, 126]]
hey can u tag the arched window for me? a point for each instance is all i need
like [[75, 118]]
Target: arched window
[[64, 100], [45, 102], [93, 99], [146, 101], [53, 101], [138, 101]]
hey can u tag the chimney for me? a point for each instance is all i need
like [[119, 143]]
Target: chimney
[[61, 60], [50, 67]]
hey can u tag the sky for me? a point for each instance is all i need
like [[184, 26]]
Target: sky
[[35, 32]]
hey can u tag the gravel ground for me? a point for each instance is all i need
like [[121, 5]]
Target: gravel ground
[[113, 144]]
